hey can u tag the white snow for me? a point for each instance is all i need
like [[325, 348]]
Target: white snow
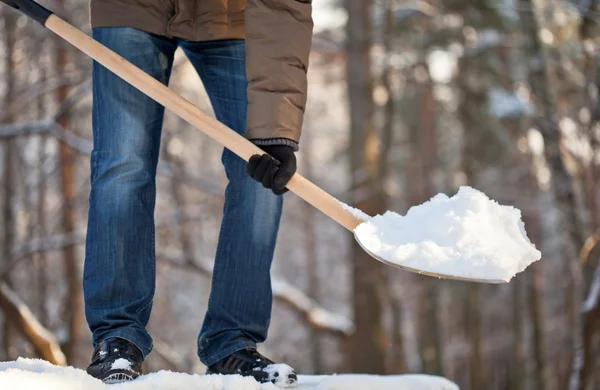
[[442, 65], [374, 382], [466, 236], [504, 104], [358, 214], [277, 372], [33, 374], [121, 364], [316, 315]]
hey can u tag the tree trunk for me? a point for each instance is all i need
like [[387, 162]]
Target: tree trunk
[[42, 187], [583, 373], [546, 121], [474, 330], [368, 343], [473, 314], [431, 339], [469, 117], [591, 68], [584, 360], [397, 360], [74, 301], [535, 303], [310, 247], [9, 165], [518, 372]]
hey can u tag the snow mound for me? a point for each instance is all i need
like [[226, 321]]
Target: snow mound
[[277, 372], [33, 374], [466, 236], [374, 382]]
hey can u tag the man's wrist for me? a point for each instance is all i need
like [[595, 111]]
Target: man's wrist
[[276, 142]]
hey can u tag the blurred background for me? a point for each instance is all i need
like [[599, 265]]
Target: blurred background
[[407, 98]]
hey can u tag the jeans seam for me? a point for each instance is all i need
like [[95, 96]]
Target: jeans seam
[[219, 249], [141, 309]]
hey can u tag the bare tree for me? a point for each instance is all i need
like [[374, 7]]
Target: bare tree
[[9, 165], [368, 343], [73, 302], [310, 245], [20, 315], [546, 121]]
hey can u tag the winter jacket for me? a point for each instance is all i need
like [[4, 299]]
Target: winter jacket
[[278, 37]]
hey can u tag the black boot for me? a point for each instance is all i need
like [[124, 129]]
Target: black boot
[[248, 362], [116, 360]]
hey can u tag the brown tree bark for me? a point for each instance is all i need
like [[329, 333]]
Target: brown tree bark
[[396, 359], [473, 308], [431, 334], [469, 116], [42, 340], [310, 248], [74, 299], [368, 343], [583, 372], [546, 121], [9, 164], [476, 365], [591, 67], [518, 359], [535, 303], [518, 372], [42, 187], [584, 359]]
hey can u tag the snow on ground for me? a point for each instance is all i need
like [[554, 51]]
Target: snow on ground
[[33, 374], [466, 236]]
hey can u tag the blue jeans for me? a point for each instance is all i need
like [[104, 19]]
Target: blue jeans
[[119, 272]]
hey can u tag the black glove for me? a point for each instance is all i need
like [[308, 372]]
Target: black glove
[[276, 171]]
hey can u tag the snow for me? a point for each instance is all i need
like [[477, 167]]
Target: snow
[[358, 214], [442, 65], [488, 38], [591, 302], [121, 364], [373, 382], [326, 16], [504, 104], [466, 236], [33, 374], [277, 372], [318, 316]]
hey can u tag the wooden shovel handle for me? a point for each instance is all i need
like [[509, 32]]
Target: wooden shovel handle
[[192, 114]]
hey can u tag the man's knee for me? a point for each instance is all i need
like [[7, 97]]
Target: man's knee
[[121, 173]]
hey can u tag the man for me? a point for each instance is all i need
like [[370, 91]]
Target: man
[[252, 57]]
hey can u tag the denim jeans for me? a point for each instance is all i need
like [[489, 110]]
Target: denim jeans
[[120, 270]]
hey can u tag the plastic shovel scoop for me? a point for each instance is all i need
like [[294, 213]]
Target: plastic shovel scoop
[[466, 237]]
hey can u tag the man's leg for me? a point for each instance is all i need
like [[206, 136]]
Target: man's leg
[[239, 308], [119, 272]]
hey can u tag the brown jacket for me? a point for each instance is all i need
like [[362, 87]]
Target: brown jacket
[[278, 37]]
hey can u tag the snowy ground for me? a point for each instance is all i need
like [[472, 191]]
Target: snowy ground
[[30, 374]]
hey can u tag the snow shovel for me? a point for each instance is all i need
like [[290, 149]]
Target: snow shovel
[[216, 130]]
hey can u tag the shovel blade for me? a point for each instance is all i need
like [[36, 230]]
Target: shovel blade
[[427, 273]]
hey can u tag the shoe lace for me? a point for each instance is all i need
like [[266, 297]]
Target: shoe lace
[[259, 358], [118, 348]]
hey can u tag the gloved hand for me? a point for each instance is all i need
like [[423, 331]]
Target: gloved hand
[[276, 171]]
